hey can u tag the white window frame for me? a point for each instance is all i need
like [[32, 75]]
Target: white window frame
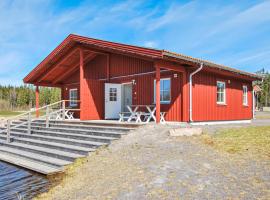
[[245, 95], [163, 102], [224, 100], [73, 102]]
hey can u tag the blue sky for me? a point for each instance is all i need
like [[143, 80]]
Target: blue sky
[[233, 33]]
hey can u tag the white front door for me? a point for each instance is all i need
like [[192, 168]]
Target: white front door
[[112, 100]]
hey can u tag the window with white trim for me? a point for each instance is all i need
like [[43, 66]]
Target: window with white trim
[[165, 90], [245, 95], [221, 92], [113, 94], [73, 97]]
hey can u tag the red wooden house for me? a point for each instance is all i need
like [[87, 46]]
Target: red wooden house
[[106, 76]]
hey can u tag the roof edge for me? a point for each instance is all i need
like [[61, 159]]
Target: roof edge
[[210, 64]]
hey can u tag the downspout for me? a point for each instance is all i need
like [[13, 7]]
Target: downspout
[[190, 91]]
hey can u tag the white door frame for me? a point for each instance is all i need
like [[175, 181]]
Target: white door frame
[[112, 105], [126, 83]]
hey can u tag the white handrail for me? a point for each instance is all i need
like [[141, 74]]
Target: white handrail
[[29, 120], [31, 111]]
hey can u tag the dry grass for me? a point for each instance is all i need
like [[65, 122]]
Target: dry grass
[[102, 175], [263, 117], [149, 164], [255, 140]]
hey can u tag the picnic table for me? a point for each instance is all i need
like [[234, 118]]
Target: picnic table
[[136, 115], [69, 114]]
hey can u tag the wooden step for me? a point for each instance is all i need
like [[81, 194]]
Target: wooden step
[[34, 156], [30, 164], [65, 134], [43, 151], [61, 140]]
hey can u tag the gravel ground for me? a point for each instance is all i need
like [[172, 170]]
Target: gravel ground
[[149, 164], [263, 120]]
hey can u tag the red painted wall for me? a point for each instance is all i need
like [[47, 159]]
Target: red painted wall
[[205, 107], [92, 97], [143, 93]]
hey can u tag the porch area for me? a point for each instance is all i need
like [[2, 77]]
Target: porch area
[[105, 85]]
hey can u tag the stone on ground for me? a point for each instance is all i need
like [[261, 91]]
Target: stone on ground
[[185, 132]]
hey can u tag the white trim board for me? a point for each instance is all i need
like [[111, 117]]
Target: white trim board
[[221, 122]]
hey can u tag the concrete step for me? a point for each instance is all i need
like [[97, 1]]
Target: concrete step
[[66, 133], [52, 145], [101, 123], [64, 124], [43, 151], [48, 150], [62, 140], [30, 164], [34, 156]]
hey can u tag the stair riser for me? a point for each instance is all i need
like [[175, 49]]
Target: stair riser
[[52, 147], [36, 159], [73, 126], [87, 128], [56, 140], [61, 136], [41, 152], [86, 133], [91, 123]]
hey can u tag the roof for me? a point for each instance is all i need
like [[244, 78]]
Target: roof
[[257, 88], [72, 40], [209, 64]]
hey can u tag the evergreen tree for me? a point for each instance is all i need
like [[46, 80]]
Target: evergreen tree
[[264, 98], [23, 97]]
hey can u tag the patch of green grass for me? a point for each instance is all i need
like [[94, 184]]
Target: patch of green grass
[[9, 113], [255, 140]]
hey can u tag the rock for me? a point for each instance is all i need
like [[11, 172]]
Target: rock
[[185, 132]]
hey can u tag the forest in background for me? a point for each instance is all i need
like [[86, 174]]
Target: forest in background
[[19, 98], [264, 96], [23, 97]]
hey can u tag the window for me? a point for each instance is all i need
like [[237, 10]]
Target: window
[[165, 90], [113, 94], [73, 97], [221, 93], [245, 95]]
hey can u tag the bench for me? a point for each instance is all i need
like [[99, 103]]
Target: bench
[[123, 116], [162, 117]]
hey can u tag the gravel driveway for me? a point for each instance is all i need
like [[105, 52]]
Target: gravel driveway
[[149, 164]]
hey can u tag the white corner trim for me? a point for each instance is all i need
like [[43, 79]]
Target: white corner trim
[[222, 122]]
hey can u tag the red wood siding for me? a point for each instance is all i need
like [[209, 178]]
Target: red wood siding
[[121, 65], [65, 95], [143, 93], [92, 97], [205, 107], [144, 89]]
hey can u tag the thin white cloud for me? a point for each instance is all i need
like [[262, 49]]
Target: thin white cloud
[[151, 44], [29, 31], [246, 19], [174, 14], [260, 55]]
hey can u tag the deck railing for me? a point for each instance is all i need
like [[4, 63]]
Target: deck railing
[[57, 111]]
